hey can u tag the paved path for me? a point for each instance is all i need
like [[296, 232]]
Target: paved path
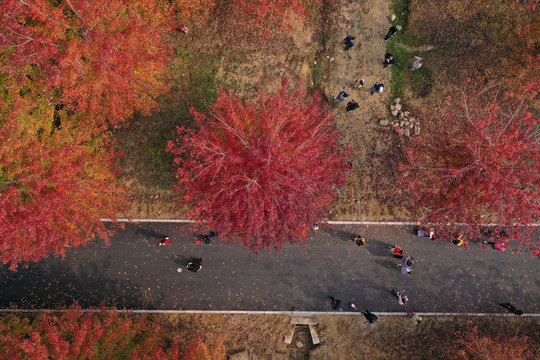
[[132, 272]]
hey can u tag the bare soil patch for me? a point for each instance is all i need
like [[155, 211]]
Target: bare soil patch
[[345, 337]]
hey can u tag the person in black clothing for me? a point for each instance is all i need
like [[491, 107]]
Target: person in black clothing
[[194, 264], [370, 317], [349, 42], [336, 303], [352, 105], [389, 59], [512, 308], [392, 31]]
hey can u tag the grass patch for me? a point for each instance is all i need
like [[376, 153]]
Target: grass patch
[[194, 84], [405, 46]]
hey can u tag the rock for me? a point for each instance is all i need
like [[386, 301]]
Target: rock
[[411, 125], [299, 344], [400, 115], [407, 132], [314, 335], [383, 122], [406, 123], [397, 100], [406, 113], [416, 129], [394, 124], [392, 17], [413, 120], [401, 124], [398, 107], [392, 107], [394, 112], [289, 337]]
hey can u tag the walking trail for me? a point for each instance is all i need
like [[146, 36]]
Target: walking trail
[[375, 164]]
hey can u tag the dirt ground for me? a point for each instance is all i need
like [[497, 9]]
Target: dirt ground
[[346, 337], [298, 53]]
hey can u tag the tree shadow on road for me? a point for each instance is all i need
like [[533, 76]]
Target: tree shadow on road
[[47, 286]]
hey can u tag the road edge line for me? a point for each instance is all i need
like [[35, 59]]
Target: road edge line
[[253, 312]]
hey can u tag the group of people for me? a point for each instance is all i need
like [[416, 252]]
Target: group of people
[[389, 59], [406, 268]]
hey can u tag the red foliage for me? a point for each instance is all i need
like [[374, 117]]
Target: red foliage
[[261, 173], [102, 58], [199, 350], [473, 345], [478, 163], [55, 184], [75, 334]]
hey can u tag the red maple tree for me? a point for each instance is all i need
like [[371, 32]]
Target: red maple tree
[[262, 173], [472, 344], [107, 334], [478, 163], [103, 59], [55, 184]]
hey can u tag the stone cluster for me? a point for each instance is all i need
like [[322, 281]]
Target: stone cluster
[[404, 123]]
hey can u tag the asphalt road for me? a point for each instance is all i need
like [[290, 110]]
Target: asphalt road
[[133, 273]]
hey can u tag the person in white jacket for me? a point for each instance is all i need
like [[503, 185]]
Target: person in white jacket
[[417, 63]]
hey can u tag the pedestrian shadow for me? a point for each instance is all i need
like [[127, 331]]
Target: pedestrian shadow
[[149, 234], [378, 248], [181, 260], [388, 263], [341, 235]]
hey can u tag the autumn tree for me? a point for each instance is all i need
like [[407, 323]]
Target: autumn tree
[[261, 173], [107, 334], [104, 59], [472, 344], [55, 183], [477, 163]]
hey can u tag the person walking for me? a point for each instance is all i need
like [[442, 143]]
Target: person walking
[[402, 298], [165, 241], [392, 31], [370, 317], [406, 265], [416, 64], [336, 303], [416, 319], [377, 88], [459, 240], [342, 96], [352, 105], [194, 265], [360, 241], [349, 42], [397, 251], [389, 59], [497, 246]]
